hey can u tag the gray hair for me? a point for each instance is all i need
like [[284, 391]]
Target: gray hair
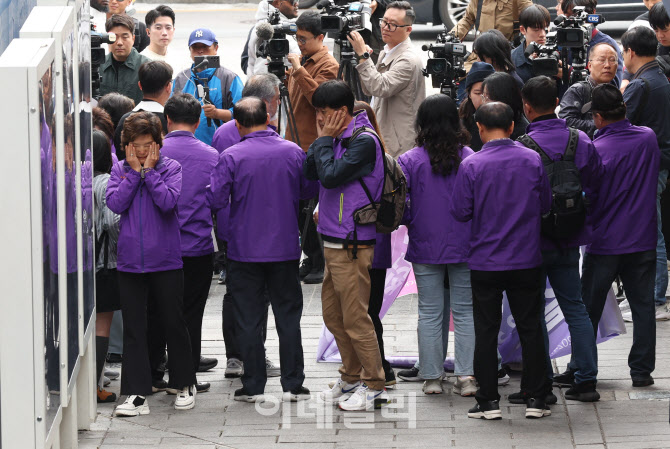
[[261, 86]]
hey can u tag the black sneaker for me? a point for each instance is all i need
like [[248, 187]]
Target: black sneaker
[[390, 378], [222, 277], [410, 375], [200, 387], [584, 392], [297, 394], [564, 379], [207, 364], [522, 398], [114, 358], [485, 410], [643, 381], [314, 277], [305, 268], [242, 395], [536, 408], [158, 385]]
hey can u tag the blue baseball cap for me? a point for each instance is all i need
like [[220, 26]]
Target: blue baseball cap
[[202, 36]]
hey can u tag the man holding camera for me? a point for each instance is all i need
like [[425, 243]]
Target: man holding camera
[[533, 24], [216, 87], [107, 8], [288, 11], [396, 83]]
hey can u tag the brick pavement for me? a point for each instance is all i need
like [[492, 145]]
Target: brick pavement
[[625, 418]]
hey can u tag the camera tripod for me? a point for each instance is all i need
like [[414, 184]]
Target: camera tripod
[[286, 106], [347, 71]]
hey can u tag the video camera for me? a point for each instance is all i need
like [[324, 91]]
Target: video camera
[[548, 56], [445, 63], [575, 33], [340, 20], [98, 57], [275, 45]]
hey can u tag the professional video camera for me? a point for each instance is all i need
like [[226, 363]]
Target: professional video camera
[[445, 62], [98, 57], [343, 19], [275, 45], [575, 33], [548, 56]]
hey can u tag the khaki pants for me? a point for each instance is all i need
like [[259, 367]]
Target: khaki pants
[[345, 296]]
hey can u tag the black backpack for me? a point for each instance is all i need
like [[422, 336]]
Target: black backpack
[[568, 209]]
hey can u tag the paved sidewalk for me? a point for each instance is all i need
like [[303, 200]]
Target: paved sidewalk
[[624, 418]]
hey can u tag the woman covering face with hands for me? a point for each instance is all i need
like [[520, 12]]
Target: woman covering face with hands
[[143, 189]]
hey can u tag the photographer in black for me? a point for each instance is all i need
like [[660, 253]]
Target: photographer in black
[[533, 24]]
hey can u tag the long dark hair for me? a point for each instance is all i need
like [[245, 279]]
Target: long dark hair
[[467, 110], [440, 132], [493, 44], [102, 153]]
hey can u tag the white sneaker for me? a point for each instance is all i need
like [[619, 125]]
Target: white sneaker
[[465, 386], [133, 406], [503, 377], [341, 389], [185, 398], [624, 306], [433, 386], [272, 369], [662, 313], [365, 399], [234, 368]]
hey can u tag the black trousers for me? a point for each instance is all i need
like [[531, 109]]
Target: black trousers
[[197, 280], [164, 290], [313, 247], [525, 289], [377, 282], [247, 285]]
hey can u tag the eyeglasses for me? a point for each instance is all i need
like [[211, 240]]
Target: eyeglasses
[[602, 61], [391, 26], [485, 98], [302, 40]]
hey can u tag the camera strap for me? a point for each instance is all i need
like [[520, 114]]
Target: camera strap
[[480, 3]]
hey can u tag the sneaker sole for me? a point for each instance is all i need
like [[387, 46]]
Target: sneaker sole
[[290, 397], [249, 399], [491, 415], [536, 413], [185, 407], [130, 413], [584, 397], [375, 405], [464, 394], [232, 375], [503, 382], [411, 379], [433, 391]]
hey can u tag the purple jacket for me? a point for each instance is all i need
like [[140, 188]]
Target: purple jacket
[[435, 237], [197, 160], [149, 228], [625, 220], [552, 136], [504, 190], [261, 178]]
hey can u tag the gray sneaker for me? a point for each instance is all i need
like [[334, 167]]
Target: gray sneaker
[[234, 368], [662, 313], [272, 369]]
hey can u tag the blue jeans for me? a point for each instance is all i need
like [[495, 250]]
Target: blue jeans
[[562, 269], [661, 257], [435, 304]]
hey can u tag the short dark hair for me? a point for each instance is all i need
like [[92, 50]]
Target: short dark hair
[[154, 76], [494, 45], [540, 92], [102, 152], [504, 88], [410, 15], [310, 21], [120, 20], [589, 5], [495, 115], [116, 105], [183, 108], [159, 11], [103, 121], [658, 17], [641, 40], [535, 16], [334, 94], [250, 112], [607, 101], [141, 123], [263, 86]]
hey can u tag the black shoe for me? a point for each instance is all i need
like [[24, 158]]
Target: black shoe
[[158, 385], [297, 394], [390, 378], [643, 381], [564, 379], [114, 358], [314, 277], [536, 408], [200, 387], [584, 392], [485, 410], [207, 364], [222, 277], [410, 375], [522, 398], [242, 395], [305, 268]]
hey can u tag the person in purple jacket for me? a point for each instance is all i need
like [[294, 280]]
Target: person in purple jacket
[[624, 226], [342, 165], [438, 244], [197, 160], [144, 189], [561, 257], [504, 191], [261, 177]]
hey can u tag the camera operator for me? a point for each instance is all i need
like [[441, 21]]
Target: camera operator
[[225, 87], [602, 67], [120, 69], [647, 99], [111, 7], [565, 7], [396, 84], [288, 10], [533, 24]]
